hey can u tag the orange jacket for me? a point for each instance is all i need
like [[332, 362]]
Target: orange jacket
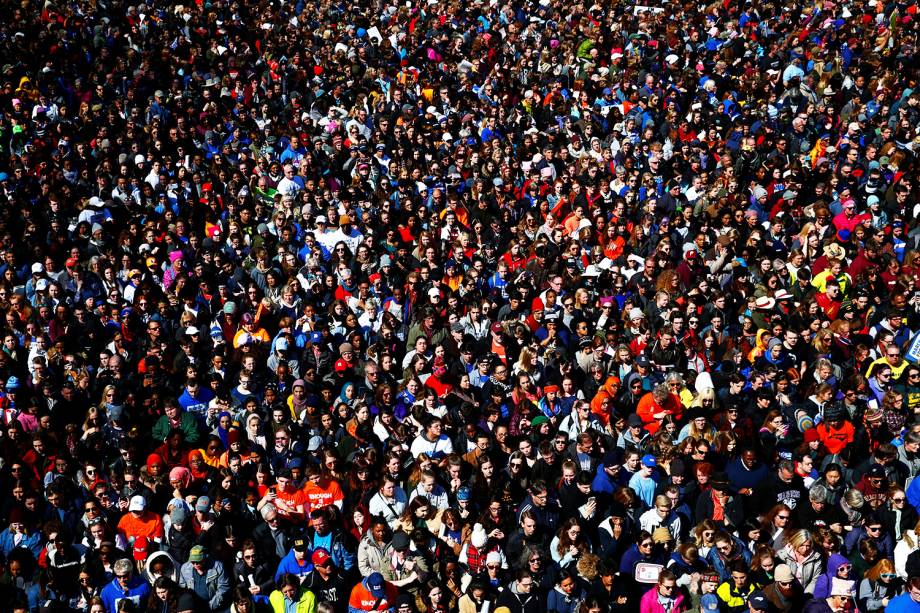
[[362, 600], [648, 408]]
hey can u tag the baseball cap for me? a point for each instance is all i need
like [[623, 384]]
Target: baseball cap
[[464, 493], [758, 601], [649, 461], [709, 602], [375, 585], [634, 421], [321, 557], [138, 503], [300, 545], [197, 554]]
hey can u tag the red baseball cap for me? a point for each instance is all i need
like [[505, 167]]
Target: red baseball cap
[[321, 557], [71, 262]]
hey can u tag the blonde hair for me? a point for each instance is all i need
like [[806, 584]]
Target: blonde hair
[[798, 538], [587, 566], [905, 536]]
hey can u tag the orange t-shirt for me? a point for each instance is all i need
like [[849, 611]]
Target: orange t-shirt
[[318, 496], [836, 439], [148, 524], [292, 499]]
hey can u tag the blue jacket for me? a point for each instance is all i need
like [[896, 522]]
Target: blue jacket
[[547, 517], [602, 482], [138, 591], [32, 542], [716, 561], [884, 541], [334, 543], [216, 579], [558, 601], [289, 564], [632, 557]]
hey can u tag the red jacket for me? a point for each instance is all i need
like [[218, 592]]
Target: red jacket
[[648, 408]]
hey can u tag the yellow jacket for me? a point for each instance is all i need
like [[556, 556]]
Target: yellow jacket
[[306, 603]]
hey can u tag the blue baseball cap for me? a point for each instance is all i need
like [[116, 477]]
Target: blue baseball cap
[[375, 585], [709, 602]]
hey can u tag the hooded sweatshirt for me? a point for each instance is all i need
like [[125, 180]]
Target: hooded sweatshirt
[[823, 585]]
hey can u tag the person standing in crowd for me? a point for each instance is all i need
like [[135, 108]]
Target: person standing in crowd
[[552, 307]]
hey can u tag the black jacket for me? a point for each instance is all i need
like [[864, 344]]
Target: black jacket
[[262, 575], [517, 602]]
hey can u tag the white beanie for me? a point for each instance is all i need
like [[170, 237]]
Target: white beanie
[[479, 536]]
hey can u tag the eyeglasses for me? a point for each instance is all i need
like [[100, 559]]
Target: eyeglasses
[[898, 499], [783, 517]]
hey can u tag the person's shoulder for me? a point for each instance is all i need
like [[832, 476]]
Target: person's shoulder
[[902, 603]]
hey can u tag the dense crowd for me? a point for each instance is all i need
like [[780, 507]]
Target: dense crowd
[[459, 307]]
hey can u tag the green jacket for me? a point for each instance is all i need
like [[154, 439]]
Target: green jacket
[[188, 424]]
